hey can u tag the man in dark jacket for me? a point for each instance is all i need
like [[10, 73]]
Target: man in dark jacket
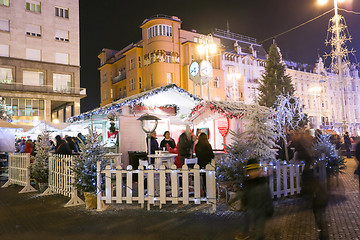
[[185, 145], [347, 144], [62, 147], [357, 155], [256, 199]]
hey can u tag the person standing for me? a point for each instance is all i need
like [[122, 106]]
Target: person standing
[[347, 144], [357, 155], [203, 151], [62, 147], [185, 145], [167, 141], [154, 145], [256, 200]]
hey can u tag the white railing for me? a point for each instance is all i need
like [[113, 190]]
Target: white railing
[[61, 178], [19, 171], [284, 179], [156, 186]]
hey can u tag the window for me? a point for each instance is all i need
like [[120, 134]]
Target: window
[[160, 30], [33, 6], [139, 60], [169, 77], [62, 58], [168, 57], [4, 25], [62, 35], [4, 50], [61, 82], [120, 93], [6, 75], [27, 107], [132, 84], [5, 2], [216, 82], [140, 83], [132, 64], [125, 94], [62, 12], [33, 30], [33, 54], [33, 78], [151, 81], [111, 93], [104, 78], [105, 95]]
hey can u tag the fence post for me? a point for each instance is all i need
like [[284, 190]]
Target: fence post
[[185, 184], [74, 200], [211, 186], [129, 190], [141, 190], [51, 178], [197, 184]]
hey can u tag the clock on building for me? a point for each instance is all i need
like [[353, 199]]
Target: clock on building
[[194, 68], [194, 72], [205, 69]]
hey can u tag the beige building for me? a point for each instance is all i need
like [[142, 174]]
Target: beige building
[[39, 59], [161, 57]]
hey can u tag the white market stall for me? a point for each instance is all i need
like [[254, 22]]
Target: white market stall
[[170, 103], [7, 135]]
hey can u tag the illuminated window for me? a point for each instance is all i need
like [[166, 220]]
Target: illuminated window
[[33, 6], [33, 78], [169, 78], [140, 83], [160, 30], [5, 2], [61, 82], [6, 75]]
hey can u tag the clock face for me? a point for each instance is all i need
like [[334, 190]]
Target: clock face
[[194, 68], [206, 68]]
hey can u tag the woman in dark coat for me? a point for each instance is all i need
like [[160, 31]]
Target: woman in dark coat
[[62, 147], [167, 141], [203, 151]]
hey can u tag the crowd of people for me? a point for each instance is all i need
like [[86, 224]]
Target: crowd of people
[[188, 146], [68, 145]]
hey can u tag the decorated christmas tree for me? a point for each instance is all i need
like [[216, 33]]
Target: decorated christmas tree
[[231, 170], [323, 147], [85, 166], [257, 141], [274, 81], [40, 168]]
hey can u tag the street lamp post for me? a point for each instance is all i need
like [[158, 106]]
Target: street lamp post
[[207, 47]]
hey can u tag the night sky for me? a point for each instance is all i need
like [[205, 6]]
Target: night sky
[[114, 24]]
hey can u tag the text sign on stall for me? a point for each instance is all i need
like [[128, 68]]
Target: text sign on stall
[[223, 126], [157, 110]]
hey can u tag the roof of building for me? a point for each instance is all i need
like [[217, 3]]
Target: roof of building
[[228, 39], [137, 98]]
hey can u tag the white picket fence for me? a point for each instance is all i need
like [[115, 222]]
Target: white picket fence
[[156, 186], [19, 171], [284, 179], [61, 178]]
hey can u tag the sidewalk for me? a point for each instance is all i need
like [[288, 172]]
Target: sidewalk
[[28, 216]]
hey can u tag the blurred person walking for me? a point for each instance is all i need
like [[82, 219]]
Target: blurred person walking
[[347, 144]]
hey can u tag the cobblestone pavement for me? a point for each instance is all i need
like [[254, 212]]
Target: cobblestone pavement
[[28, 216]]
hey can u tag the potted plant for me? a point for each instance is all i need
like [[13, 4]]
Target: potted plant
[[85, 167], [39, 169]]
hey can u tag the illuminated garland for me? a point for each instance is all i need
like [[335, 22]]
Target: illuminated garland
[[135, 99]]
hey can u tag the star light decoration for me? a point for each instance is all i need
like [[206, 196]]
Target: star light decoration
[[333, 42], [132, 100]]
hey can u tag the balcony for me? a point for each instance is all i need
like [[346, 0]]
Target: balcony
[[118, 78], [42, 89]]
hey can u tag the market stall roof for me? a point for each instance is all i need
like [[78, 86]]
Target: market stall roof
[[38, 129], [6, 124], [224, 108], [165, 95]]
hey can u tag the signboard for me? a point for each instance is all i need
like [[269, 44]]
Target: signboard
[[155, 110], [223, 126]]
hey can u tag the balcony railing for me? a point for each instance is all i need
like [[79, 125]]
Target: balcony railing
[[118, 78], [41, 89]]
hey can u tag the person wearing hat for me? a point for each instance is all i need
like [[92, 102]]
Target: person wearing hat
[[256, 200]]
